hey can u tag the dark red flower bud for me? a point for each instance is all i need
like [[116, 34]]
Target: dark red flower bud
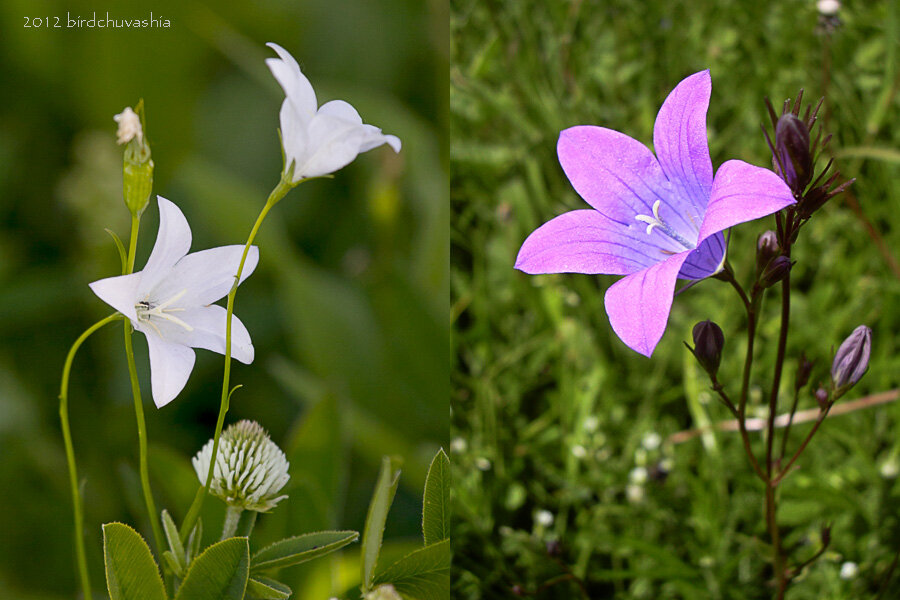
[[794, 163], [804, 368], [852, 359], [776, 270], [708, 343], [767, 248]]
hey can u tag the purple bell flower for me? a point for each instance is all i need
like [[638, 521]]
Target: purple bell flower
[[654, 219]]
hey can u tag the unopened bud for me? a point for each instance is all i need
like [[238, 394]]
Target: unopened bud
[[804, 368], [852, 359], [137, 171], [776, 270], [767, 248], [792, 145], [822, 397], [708, 343]]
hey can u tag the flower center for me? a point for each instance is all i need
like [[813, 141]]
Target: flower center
[[146, 309], [663, 227]]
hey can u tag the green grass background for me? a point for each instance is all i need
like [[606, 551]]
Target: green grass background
[[347, 309], [549, 408]]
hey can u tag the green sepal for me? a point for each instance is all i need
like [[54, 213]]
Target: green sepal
[[131, 572], [120, 247], [373, 533], [220, 573], [193, 542], [299, 549], [421, 575], [264, 588], [436, 500]]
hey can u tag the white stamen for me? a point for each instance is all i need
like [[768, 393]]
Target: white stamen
[[653, 221], [145, 310]]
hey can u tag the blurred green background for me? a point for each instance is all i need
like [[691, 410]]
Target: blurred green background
[[347, 309], [561, 465]]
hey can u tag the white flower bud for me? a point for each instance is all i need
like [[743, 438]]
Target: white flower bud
[[250, 468], [129, 126]]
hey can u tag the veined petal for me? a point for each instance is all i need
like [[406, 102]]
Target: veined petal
[[585, 241], [706, 260], [620, 177], [207, 331], [679, 138], [170, 366], [206, 275], [173, 240], [296, 86], [638, 305], [119, 292], [741, 193], [294, 136]]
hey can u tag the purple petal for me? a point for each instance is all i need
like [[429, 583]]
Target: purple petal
[[741, 193], [706, 260], [585, 241], [679, 138], [638, 305], [619, 176]]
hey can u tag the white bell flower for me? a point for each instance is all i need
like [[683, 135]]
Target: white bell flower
[[170, 302], [319, 140]]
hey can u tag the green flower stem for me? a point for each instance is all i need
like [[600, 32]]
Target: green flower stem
[[283, 187], [232, 516], [139, 407], [70, 452], [245, 525]]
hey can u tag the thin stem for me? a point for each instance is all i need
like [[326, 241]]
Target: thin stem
[[787, 429], [246, 523], [70, 453], [232, 516], [139, 407], [717, 387], [277, 194], [784, 471]]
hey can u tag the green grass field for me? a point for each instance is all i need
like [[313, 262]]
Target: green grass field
[[552, 414]]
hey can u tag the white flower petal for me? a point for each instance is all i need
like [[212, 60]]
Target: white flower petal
[[295, 85], [170, 366], [336, 143], [208, 331], [374, 138], [207, 275], [294, 137], [119, 292], [172, 242], [341, 110]]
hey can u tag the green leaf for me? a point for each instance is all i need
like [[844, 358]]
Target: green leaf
[[193, 542], [436, 500], [220, 573], [421, 575], [174, 540], [131, 572], [263, 588], [120, 247], [299, 549], [385, 489]]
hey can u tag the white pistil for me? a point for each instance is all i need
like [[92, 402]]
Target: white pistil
[[653, 221], [145, 310]]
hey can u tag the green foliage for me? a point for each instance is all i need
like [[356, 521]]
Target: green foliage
[[551, 411], [264, 588], [385, 488], [436, 500], [219, 573], [421, 575], [299, 549], [131, 572]]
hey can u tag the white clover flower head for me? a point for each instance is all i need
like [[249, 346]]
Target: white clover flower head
[[318, 140], [458, 445], [828, 8], [634, 493], [579, 451], [250, 468], [384, 592], [171, 302], [849, 570], [129, 126], [482, 463], [638, 475]]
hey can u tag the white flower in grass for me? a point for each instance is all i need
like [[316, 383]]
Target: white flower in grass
[[319, 140], [250, 468], [849, 570], [170, 302]]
